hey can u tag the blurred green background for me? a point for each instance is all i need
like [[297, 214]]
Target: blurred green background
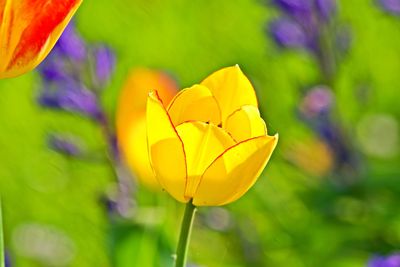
[[301, 212]]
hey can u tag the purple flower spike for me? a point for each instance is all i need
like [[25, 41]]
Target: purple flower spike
[[7, 260], [393, 261], [380, 261], [71, 96], [391, 6], [53, 69], [288, 33], [295, 7], [64, 146], [48, 101], [104, 63], [75, 97], [326, 8], [71, 45], [377, 261]]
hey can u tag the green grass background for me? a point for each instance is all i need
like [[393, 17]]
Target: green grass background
[[289, 218]]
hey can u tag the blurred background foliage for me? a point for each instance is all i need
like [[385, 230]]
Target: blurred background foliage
[[311, 207]]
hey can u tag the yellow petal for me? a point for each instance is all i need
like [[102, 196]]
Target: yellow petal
[[232, 90], [194, 104], [135, 151], [166, 151], [245, 123], [203, 143], [131, 119], [234, 172]]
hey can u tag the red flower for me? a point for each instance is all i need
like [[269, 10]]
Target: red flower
[[28, 31]]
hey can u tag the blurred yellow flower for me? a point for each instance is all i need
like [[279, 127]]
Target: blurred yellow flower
[[131, 119], [210, 144], [29, 30], [312, 155]]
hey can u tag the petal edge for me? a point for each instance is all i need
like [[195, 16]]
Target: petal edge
[[166, 151], [232, 89], [234, 172]]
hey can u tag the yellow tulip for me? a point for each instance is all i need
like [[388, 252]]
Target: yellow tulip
[[29, 30], [131, 119], [210, 144]]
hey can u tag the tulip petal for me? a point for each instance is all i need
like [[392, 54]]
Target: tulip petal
[[203, 143], [167, 155], [2, 8], [139, 83], [232, 90], [194, 104], [245, 123], [28, 31], [135, 151], [234, 172], [131, 119]]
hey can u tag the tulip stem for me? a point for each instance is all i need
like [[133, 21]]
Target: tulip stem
[[184, 238]]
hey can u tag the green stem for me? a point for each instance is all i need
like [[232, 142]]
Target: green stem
[[327, 57], [184, 238]]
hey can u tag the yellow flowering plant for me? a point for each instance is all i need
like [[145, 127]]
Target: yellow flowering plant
[[131, 120], [209, 145]]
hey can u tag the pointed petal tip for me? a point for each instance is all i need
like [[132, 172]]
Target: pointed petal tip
[[153, 94], [276, 136], [195, 103], [274, 139]]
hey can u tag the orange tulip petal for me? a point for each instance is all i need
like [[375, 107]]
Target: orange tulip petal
[[2, 7], [139, 83], [194, 104], [28, 31], [232, 90], [245, 123], [234, 172], [203, 142], [166, 152]]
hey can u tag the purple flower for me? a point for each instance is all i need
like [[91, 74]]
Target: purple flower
[[288, 33], [104, 63], [7, 260], [53, 69], [391, 6], [72, 96], [393, 261], [377, 261], [65, 75], [325, 8], [71, 44], [302, 23], [294, 7], [381, 261], [64, 146], [78, 98], [317, 101]]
